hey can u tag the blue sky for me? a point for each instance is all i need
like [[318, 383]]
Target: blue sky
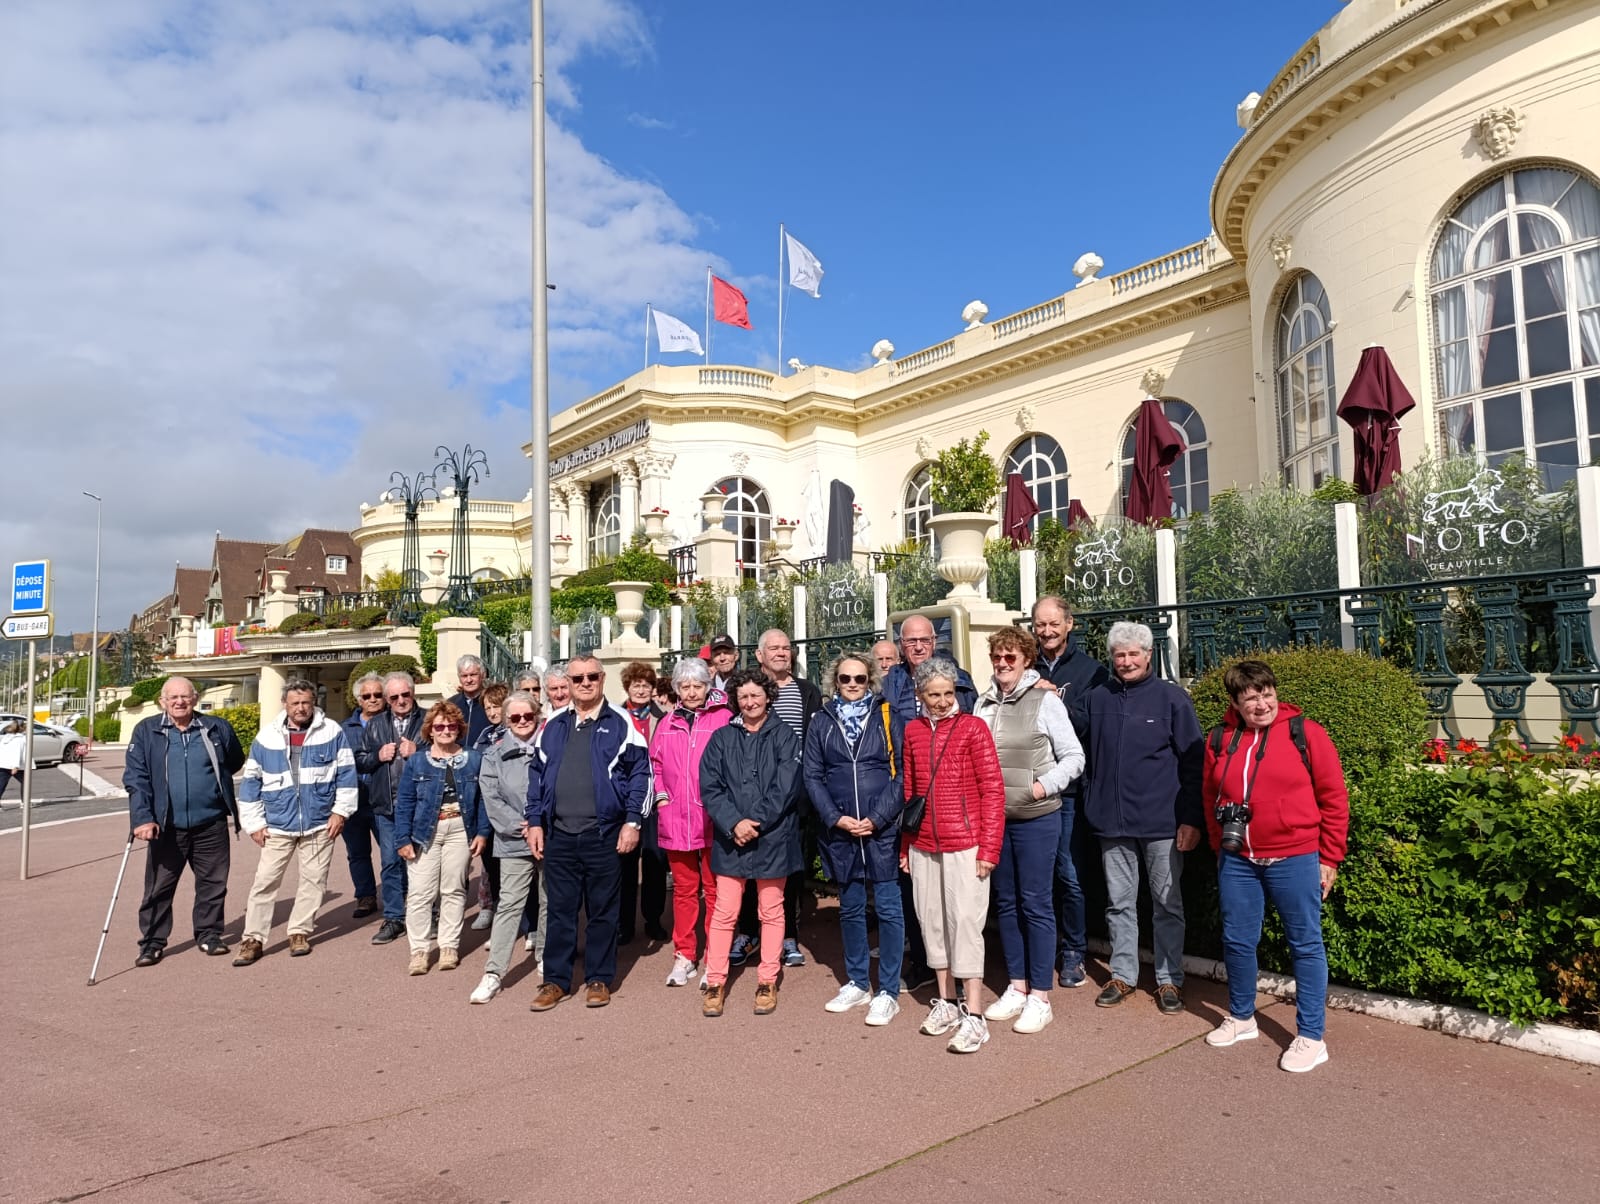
[[259, 255]]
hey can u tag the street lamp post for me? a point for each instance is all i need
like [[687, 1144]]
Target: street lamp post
[[463, 468], [539, 376], [94, 640], [410, 492]]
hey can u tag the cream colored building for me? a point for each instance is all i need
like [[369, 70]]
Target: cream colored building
[[500, 534], [1421, 175]]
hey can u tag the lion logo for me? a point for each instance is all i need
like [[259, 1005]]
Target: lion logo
[[1476, 497], [1099, 551]]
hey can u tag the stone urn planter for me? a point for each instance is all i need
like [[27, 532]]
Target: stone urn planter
[[630, 602], [713, 503], [783, 536], [961, 561], [560, 551], [655, 525]]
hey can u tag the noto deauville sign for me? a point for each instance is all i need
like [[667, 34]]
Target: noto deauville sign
[[1097, 565], [601, 448], [1469, 530]]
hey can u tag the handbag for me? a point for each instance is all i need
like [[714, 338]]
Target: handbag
[[917, 805]]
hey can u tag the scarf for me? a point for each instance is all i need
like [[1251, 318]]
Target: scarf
[[852, 717], [454, 761]]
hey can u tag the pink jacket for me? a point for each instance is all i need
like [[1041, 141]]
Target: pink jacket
[[675, 760]]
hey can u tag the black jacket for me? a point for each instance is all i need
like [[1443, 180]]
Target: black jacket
[[1075, 674], [477, 717], [753, 775], [383, 778], [144, 773]]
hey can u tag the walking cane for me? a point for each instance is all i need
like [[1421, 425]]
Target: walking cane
[[115, 891]]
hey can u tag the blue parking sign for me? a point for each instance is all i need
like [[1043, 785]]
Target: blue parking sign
[[30, 587]]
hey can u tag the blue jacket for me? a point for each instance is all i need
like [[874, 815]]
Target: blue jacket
[[355, 735], [273, 794], [862, 782], [473, 711], [416, 805], [620, 761], [144, 773], [1145, 756], [1075, 674], [901, 693]]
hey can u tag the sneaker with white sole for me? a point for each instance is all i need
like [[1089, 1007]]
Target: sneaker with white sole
[[849, 996], [971, 1036], [484, 919], [1231, 1031], [528, 943], [1303, 1054], [682, 968], [942, 1017], [1036, 1013], [884, 1008], [488, 987], [1008, 1007]]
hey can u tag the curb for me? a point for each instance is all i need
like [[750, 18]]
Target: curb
[[1547, 1040]]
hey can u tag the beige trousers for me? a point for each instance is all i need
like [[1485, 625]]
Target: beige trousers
[[439, 872], [314, 851], [952, 904]]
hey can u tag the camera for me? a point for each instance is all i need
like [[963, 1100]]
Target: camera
[[1235, 820]]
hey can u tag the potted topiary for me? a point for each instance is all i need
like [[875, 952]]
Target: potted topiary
[[965, 483]]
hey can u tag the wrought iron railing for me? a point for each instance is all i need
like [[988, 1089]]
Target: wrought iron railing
[[500, 663], [882, 562], [685, 564]]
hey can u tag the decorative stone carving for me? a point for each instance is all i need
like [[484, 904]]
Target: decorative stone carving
[[740, 462], [628, 472], [1245, 111], [1496, 130], [883, 351], [1153, 381], [1087, 266], [655, 465], [1282, 247], [925, 448], [1026, 417], [974, 314]]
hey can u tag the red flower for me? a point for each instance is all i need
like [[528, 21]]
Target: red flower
[[1436, 750], [1468, 746], [1575, 743]]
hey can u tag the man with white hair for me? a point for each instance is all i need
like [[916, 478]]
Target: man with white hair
[[470, 675], [1142, 800]]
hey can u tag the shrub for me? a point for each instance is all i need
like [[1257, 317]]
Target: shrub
[[363, 617], [144, 691], [1262, 542], [387, 662], [300, 621], [964, 477], [428, 640], [245, 720], [636, 563], [1373, 711], [107, 726], [914, 580]]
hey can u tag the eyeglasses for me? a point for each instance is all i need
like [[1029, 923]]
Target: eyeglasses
[[372, 698], [397, 697], [916, 639], [521, 717], [1004, 658], [853, 679], [585, 678]]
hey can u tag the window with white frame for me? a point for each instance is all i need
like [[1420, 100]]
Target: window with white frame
[[605, 526], [488, 575], [1514, 290], [1043, 467], [338, 564], [748, 514], [1308, 436], [1190, 474], [917, 508]]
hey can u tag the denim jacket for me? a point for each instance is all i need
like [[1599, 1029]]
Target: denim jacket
[[416, 806]]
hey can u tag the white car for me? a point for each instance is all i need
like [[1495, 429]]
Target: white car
[[52, 744]]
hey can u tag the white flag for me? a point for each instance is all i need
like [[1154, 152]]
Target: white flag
[[805, 269], [673, 335]]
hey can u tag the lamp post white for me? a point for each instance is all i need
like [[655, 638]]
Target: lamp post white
[[539, 377], [94, 639]]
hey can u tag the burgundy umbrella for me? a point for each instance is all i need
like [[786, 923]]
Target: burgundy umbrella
[[1156, 447], [1016, 521], [1077, 517], [1373, 403]]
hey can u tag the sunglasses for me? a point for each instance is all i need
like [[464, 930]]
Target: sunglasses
[[447, 727], [521, 717], [372, 698], [396, 697], [853, 679], [1004, 658], [584, 678]]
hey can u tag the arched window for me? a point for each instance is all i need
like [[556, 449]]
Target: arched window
[[605, 527], [748, 514], [1190, 474], [1043, 466], [1308, 439], [1515, 292], [488, 575], [917, 508]]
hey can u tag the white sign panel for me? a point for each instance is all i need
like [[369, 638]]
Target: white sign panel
[[28, 627]]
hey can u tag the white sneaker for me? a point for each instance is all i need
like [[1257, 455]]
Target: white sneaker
[[488, 987], [1008, 1007], [885, 1007], [682, 967], [942, 1017], [971, 1036], [1232, 1031], [1303, 1054], [484, 918], [527, 943], [1036, 1013], [849, 996], [538, 969]]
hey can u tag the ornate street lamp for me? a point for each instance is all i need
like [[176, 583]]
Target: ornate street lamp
[[410, 493], [463, 469]]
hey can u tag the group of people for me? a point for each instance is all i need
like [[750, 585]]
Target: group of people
[[925, 799]]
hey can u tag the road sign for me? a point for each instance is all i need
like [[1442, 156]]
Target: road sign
[[29, 627], [30, 587]]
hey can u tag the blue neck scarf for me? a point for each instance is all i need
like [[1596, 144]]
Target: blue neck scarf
[[852, 716]]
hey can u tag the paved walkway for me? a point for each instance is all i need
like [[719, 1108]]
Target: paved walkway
[[336, 1077]]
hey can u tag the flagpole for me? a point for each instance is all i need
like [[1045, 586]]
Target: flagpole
[[539, 382], [647, 334], [780, 298], [708, 314]]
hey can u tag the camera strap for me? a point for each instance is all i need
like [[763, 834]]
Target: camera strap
[[1249, 775]]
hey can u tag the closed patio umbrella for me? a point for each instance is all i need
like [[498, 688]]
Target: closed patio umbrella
[[1156, 447], [1373, 404], [1017, 518], [841, 522]]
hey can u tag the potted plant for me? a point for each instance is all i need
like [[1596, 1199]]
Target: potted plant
[[964, 484], [783, 530], [655, 520]]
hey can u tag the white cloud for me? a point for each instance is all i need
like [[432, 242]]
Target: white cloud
[[257, 255]]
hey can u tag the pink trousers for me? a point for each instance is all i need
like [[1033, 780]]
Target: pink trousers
[[769, 905], [691, 874]]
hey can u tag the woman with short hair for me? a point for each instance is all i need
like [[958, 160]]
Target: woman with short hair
[[494, 702]]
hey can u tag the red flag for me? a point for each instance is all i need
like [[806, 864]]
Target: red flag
[[728, 304]]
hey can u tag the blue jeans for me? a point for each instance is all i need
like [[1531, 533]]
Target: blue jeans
[[1072, 915], [891, 934], [581, 869], [1163, 865], [358, 836], [1024, 888], [1295, 887], [393, 870]]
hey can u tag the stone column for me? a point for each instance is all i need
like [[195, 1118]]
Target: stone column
[[628, 491], [578, 522], [269, 692], [560, 500], [654, 469], [279, 604], [458, 637]]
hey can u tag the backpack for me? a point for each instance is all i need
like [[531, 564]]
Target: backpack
[[1297, 733]]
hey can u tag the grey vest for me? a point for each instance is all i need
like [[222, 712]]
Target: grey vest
[[1025, 752]]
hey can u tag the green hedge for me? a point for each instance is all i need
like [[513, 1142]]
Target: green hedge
[[302, 620], [145, 691], [357, 619], [245, 720], [107, 726]]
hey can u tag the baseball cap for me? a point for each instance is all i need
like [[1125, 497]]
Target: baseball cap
[[723, 642]]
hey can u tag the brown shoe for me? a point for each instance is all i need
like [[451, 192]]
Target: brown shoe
[[716, 994], [449, 959], [249, 952], [766, 998], [547, 997], [299, 944], [419, 964], [598, 995]]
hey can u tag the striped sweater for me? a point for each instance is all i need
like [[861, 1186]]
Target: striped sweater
[[290, 798]]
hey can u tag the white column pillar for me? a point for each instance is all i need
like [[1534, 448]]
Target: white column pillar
[[654, 470], [565, 638], [1028, 573], [1589, 535], [1167, 588], [578, 522], [628, 489], [880, 602], [1347, 544], [733, 617], [560, 510], [675, 629], [798, 635]]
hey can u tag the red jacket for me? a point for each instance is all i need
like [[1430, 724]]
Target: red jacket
[[968, 804], [1293, 811]]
